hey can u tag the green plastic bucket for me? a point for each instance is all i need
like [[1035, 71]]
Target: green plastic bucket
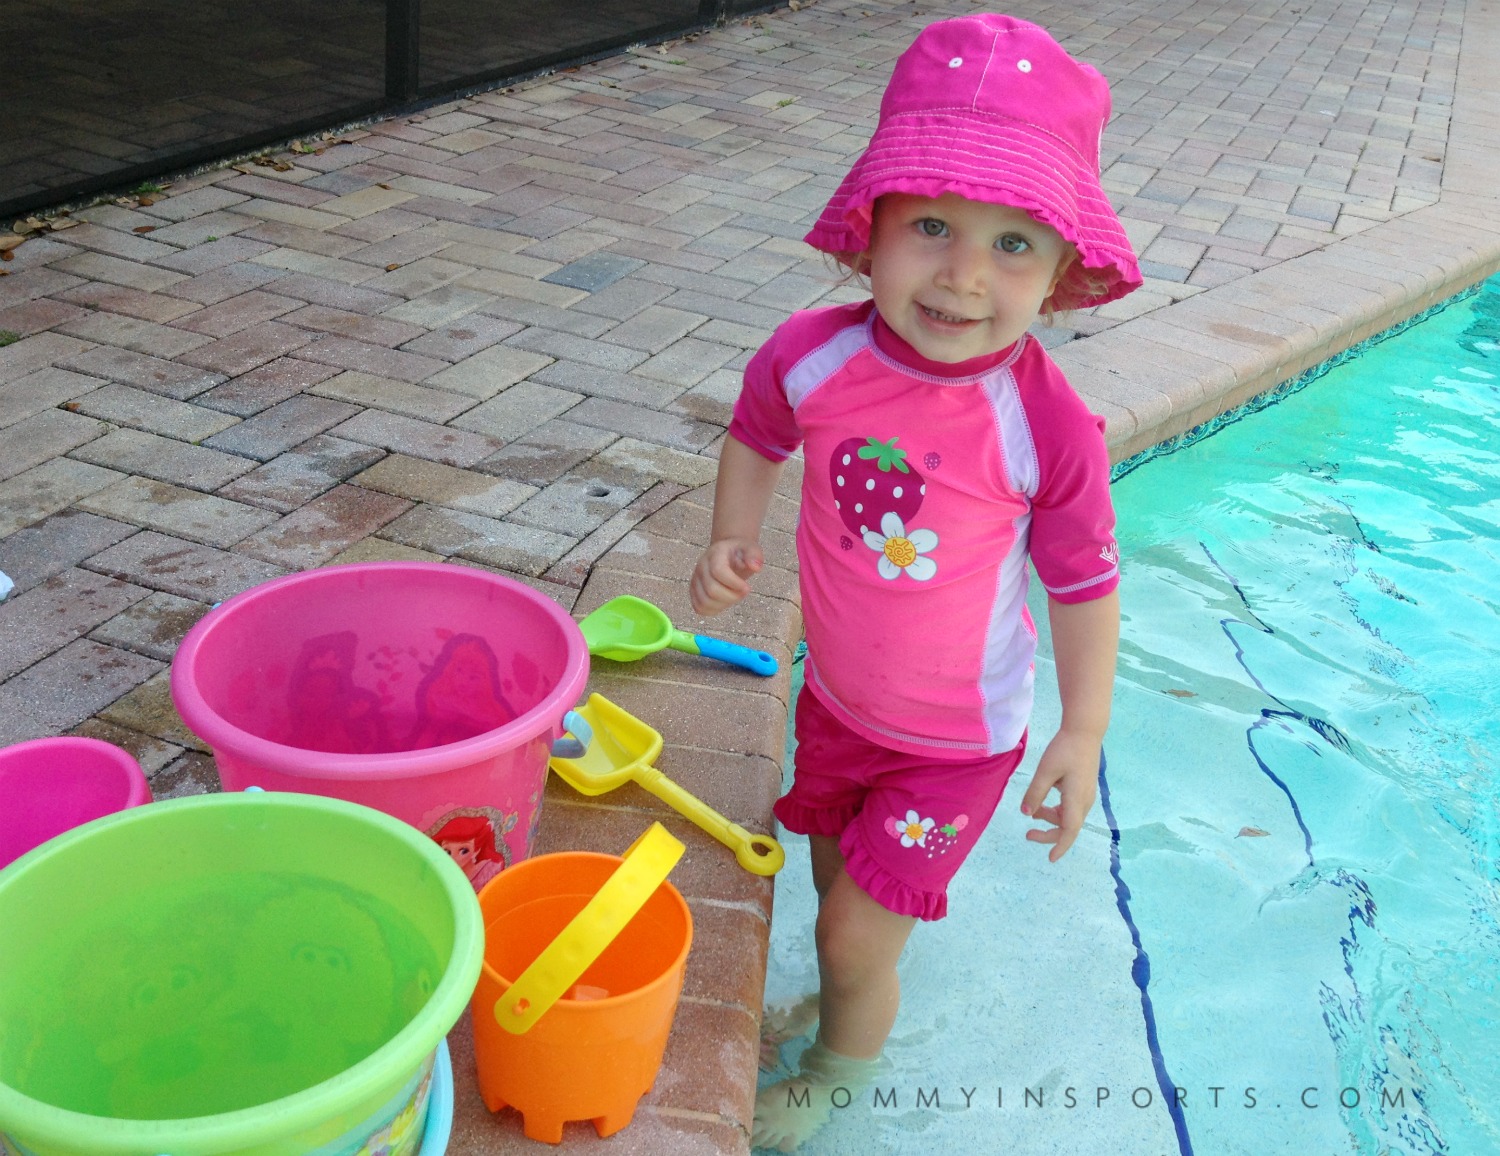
[[252, 974]]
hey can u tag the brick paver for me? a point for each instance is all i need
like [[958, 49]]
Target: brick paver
[[43, 436], [161, 562], [42, 390], [153, 626], [178, 511], [326, 526], [274, 430], [68, 686], [164, 459], [507, 332], [46, 489], [51, 545], [47, 617], [143, 371], [127, 406]]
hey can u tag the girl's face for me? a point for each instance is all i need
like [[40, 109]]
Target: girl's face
[[957, 278]]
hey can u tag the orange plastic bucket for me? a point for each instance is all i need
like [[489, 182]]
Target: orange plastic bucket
[[594, 1052]]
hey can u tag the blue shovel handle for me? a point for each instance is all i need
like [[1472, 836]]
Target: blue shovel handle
[[574, 744], [755, 661]]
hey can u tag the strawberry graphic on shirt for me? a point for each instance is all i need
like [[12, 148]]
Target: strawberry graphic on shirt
[[871, 478]]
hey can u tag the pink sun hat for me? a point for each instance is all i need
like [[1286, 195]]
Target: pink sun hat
[[993, 109]]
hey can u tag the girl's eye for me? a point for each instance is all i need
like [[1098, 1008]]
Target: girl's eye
[[1010, 243], [932, 227]]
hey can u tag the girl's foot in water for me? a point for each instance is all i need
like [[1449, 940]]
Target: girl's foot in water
[[790, 1111], [780, 1024]]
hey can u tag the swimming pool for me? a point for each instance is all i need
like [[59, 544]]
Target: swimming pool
[[1280, 929]]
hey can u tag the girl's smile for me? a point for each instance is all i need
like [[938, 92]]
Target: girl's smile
[[958, 279], [945, 319]]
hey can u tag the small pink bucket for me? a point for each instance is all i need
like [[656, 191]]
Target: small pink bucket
[[48, 786], [432, 692]]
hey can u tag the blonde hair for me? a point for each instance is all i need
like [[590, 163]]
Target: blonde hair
[[1076, 287], [850, 268]]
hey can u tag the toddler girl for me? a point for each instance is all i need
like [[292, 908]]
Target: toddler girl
[[944, 452]]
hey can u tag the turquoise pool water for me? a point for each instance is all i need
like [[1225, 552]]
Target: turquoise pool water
[[1280, 930]]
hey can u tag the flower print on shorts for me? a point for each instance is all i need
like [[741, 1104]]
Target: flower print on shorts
[[915, 831], [902, 552], [912, 831]]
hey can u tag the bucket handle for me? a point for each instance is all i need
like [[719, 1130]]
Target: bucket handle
[[644, 868], [569, 747]]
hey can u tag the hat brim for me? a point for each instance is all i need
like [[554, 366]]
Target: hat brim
[[1006, 163]]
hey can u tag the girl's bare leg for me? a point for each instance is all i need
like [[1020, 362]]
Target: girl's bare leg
[[780, 1024], [859, 942], [827, 862]]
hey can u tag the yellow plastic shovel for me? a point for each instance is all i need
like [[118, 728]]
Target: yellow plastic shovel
[[623, 751]]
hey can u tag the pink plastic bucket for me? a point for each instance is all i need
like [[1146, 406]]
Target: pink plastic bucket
[[48, 786], [431, 692]]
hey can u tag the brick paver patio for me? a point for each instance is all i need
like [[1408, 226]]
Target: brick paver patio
[[508, 333]]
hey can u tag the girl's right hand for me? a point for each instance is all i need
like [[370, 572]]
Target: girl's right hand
[[722, 575]]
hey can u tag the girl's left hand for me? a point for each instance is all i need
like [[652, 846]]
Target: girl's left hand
[[1071, 764]]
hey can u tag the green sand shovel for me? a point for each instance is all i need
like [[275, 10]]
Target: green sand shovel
[[627, 628]]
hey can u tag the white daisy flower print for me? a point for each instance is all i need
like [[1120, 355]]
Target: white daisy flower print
[[900, 552], [912, 831]]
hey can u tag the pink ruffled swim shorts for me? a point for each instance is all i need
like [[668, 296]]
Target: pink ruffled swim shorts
[[905, 823]]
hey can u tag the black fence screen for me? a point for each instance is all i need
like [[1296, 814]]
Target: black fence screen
[[465, 39], [104, 94]]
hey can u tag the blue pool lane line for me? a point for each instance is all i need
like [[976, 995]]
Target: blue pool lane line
[[1320, 727], [1414, 1128], [1140, 971]]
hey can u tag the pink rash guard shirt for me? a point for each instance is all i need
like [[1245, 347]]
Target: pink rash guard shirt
[[927, 486]]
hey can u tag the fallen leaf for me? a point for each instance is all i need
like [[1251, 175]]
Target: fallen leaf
[[71, 406], [382, 186], [7, 256], [1175, 692], [146, 201], [144, 228], [63, 223], [1252, 831], [10, 242], [391, 268]]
